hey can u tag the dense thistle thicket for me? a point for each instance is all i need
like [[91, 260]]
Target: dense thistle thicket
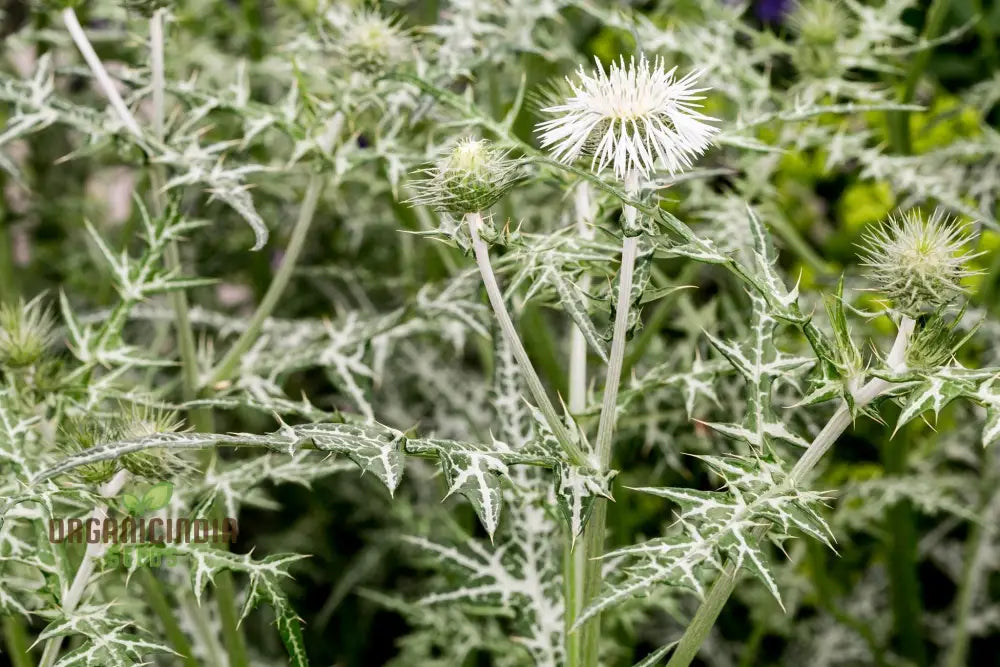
[[558, 304]]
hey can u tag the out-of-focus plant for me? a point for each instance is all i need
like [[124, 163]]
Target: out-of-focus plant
[[624, 227]]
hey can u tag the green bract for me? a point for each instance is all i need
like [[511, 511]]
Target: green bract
[[472, 177], [26, 331]]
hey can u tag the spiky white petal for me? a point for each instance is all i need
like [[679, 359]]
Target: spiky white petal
[[631, 117], [918, 262]]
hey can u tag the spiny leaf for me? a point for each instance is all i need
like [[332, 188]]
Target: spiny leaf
[[576, 490], [713, 527]]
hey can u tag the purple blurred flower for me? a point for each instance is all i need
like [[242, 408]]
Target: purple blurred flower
[[772, 11]]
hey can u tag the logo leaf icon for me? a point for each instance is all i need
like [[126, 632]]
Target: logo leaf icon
[[158, 496], [132, 504]]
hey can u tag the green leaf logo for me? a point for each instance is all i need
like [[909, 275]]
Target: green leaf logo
[[132, 504], [158, 496]]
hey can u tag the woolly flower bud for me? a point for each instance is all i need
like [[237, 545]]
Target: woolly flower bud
[[471, 178], [918, 262], [157, 462], [630, 117], [25, 333], [369, 42]]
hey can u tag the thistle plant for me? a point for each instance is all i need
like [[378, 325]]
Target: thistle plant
[[693, 360]]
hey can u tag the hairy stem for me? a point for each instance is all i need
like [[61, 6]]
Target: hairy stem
[[590, 637], [574, 563], [509, 333], [277, 287], [201, 420], [104, 80], [706, 615], [95, 550]]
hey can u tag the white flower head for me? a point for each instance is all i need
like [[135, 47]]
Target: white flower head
[[918, 262], [630, 116]]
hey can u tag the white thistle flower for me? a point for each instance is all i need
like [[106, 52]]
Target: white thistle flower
[[630, 116], [918, 262]]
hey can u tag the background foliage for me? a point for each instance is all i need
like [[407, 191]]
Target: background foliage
[[833, 115]]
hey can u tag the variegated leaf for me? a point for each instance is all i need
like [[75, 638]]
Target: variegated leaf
[[576, 490], [109, 640], [264, 577], [713, 527]]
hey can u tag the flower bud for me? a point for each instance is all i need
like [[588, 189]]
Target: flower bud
[[820, 22], [82, 433], [470, 179], [368, 42], [918, 262], [156, 462], [25, 333]]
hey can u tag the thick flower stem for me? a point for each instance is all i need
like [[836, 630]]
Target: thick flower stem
[[574, 565], [590, 633], [507, 330], [703, 620]]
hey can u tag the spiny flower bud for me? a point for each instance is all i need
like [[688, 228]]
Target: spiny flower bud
[[25, 333], [157, 462], [369, 42], [470, 179], [918, 262], [82, 433]]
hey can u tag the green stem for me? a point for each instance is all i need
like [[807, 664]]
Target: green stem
[[531, 379], [200, 419], [16, 639], [594, 533], [574, 564], [974, 570], [899, 121], [901, 556], [711, 607], [307, 212], [198, 616], [158, 602]]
